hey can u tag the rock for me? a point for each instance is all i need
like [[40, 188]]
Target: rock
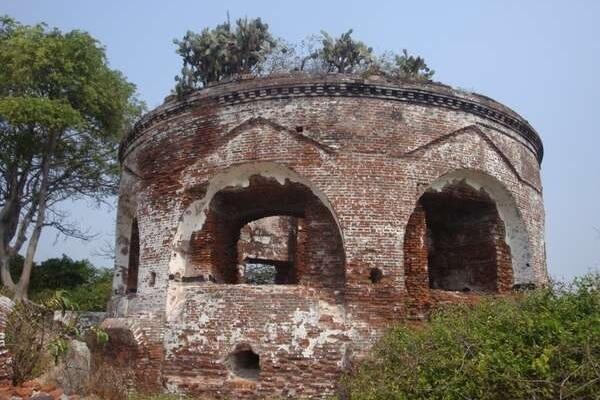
[[23, 391], [32, 384], [6, 306], [56, 393], [47, 387], [41, 396], [73, 372]]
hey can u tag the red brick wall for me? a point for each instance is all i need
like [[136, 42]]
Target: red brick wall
[[5, 373], [269, 238], [350, 159]]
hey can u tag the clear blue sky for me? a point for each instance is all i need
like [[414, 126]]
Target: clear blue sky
[[542, 58]]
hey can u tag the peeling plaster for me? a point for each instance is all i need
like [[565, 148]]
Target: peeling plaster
[[194, 216]]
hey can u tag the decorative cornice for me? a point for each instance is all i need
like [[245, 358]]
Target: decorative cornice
[[411, 95]]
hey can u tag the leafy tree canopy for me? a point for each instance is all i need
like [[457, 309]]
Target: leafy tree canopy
[[85, 285], [63, 111]]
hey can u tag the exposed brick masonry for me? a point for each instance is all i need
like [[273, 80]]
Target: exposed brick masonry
[[370, 201]]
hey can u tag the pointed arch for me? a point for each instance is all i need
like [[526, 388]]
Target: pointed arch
[[248, 192], [488, 194], [476, 130]]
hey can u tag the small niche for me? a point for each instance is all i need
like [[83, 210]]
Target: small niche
[[375, 275], [244, 363], [152, 279]]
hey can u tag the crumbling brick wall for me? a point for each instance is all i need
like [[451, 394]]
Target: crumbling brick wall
[[5, 307], [350, 160]]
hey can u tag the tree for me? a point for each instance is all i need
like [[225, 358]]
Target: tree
[[344, 54], [85, 285], [222, 52], [62, 114], [411, 68]]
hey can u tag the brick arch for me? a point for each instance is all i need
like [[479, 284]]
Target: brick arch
[[513, 240], [134, 349], [239, 176], [318, 259]]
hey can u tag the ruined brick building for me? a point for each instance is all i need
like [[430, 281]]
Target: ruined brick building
[[270, 229]]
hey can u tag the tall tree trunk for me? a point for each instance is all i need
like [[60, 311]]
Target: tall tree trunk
[[9, 221], [23, 284], [5, 224], [7, 279]]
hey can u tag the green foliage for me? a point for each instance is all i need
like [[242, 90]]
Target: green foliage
[[411, 67], [63, 111], [95, 294], [222, 52], [31, 332], [81, 283], [544, 345], [100, 335], [61, 80], [58, 348], [343, 54]]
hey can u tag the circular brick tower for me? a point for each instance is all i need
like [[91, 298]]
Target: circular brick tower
[[269, 230]]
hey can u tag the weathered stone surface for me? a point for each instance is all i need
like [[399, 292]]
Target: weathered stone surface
[[73, 372], [6, 306], [41, 396], [82, 320], [383, 200]]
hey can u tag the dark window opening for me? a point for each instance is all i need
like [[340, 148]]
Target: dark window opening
[[134, 258], [268, 233], [269, 272], [244, 363], [463, 237], [375, 275], [152, 279]]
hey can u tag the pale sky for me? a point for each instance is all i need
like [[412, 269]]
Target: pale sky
[[540, 58]]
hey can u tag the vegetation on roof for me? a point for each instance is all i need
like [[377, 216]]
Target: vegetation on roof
[[248, 47]]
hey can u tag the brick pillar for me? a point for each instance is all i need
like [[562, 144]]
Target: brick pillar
[[5, 307], [416, 275]]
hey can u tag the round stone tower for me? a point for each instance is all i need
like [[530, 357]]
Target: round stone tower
[[270, 229]]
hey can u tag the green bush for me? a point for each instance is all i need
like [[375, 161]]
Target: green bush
[[543, 344], [81, 282], [32, 336]]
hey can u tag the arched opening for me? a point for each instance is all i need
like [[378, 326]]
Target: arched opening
[[134, 258], [244, 363], [465, 239], [267, 232], [456, 240]]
